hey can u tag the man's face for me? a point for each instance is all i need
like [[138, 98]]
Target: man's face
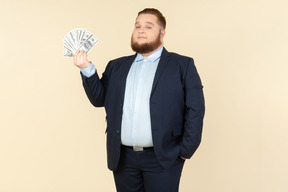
[[147, 35]]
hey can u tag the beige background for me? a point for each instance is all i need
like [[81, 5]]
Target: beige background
[[52, 139]]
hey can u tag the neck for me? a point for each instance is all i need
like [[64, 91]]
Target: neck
[[150, 53]]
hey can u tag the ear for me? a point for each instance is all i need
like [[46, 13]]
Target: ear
[[163, 32]]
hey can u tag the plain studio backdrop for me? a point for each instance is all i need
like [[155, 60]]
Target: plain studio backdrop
[[53, 140]]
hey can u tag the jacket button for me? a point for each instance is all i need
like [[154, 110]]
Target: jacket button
[[118, 131]]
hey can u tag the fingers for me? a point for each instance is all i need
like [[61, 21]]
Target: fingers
[[82, 56], [75, 58], [80, 59], [182, 158]]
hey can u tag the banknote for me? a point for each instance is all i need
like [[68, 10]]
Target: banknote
[[78, 39], [88, 43]]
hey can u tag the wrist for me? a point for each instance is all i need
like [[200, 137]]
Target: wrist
[[89, 71], [86, 65]]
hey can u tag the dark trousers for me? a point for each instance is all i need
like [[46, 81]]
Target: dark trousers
[[140, 171]]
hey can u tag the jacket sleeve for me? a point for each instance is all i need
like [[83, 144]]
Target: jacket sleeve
[[95, 87], [194, 111]]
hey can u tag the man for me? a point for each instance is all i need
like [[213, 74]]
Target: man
[[155, 108]]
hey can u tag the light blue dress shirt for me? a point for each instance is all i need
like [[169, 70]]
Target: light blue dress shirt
[[136, 122]]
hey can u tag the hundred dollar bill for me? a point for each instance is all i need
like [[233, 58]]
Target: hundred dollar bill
[[68, 43], [84, 38], [81, 35], [67, 52], [69, 46], [89, 43], [74, 36]]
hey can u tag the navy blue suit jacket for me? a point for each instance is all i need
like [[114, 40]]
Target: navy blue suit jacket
[[176, 106]]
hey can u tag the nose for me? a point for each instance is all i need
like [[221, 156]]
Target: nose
[[141, 30]]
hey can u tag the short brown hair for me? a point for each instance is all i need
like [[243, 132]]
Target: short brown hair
[[157, 13]]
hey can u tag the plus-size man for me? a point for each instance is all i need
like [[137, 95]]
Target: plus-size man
[[155, 108]]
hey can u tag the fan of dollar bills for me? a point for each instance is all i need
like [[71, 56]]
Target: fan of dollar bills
[[78, 39]]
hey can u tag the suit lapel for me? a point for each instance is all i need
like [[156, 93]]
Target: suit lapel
[[161, 66], [125, 67]]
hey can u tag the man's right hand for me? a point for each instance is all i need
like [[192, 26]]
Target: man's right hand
[[80, 59]]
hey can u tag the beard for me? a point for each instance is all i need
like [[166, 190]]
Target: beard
[[146, 47]]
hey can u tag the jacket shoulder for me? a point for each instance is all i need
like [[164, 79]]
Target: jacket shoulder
[[116, 63], [180, 57]]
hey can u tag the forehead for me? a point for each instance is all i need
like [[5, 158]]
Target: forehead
[[146, 18]]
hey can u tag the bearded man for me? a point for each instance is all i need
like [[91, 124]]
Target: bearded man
[[155, 109]]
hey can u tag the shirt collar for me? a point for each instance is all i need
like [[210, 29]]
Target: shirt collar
[[152, 58]]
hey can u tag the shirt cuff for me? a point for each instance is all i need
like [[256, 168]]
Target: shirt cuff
[[89, 71]]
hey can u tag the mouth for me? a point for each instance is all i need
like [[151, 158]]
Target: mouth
[[141, 37]]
